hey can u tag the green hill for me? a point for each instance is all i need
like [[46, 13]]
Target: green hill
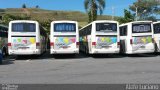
[[49, 15]]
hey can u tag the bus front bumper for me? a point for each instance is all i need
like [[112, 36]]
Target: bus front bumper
[[74, 51], [26, 52]]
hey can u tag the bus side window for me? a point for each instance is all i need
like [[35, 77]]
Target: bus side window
[[121, 31], [125, 30], [88, 30]]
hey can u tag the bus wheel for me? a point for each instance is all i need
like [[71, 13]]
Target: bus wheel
[[156, 48]]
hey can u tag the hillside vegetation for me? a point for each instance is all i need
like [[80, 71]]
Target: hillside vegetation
[[50, 15]]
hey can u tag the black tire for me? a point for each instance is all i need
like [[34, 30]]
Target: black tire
[[4, 53], [156, 48], [122, 47]]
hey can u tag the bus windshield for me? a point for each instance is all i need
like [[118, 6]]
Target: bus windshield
[[157, 28], [64, 27], [141, 28], [106, 27], [23, 27]]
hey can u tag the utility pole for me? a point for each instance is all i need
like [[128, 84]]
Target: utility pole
[[136, 13], [113, 12]]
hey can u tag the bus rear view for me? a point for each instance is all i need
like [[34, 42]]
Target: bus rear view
[[100, 37], [138, 37], [64, 37], [106, 37], [23, 37]]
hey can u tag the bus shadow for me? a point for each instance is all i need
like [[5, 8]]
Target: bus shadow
[[81, 55], [144, 55], [70, 56], [101, 56], [47, 55], [7, 62]]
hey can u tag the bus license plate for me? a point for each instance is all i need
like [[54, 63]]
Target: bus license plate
[[23, 48], [65, 47], [143, 47], [106, 46]]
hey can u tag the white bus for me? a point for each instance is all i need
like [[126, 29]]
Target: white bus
[[64, 37], [26, 37], [4, 40], [100, 37], [156, 26], [137, 37]]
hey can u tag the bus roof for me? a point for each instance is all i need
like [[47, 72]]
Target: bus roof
[[21, 21], [135, 22], [64, 21], [156, 22], [100, 21]]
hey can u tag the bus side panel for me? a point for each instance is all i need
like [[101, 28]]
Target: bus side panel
[[157, 42], [84, 43], [123, 44], [43, 44]]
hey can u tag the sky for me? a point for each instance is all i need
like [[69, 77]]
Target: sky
[[69, 5]]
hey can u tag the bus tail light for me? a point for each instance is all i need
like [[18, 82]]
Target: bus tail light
[[9, 45], [131, 41], [37, 45], [93, 44], [51, 44], [77, 44]]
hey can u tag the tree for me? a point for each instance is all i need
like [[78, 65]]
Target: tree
[[128, 17], [92, 7], [8, 17], [24, 6], [37, 6], [145, 8]]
